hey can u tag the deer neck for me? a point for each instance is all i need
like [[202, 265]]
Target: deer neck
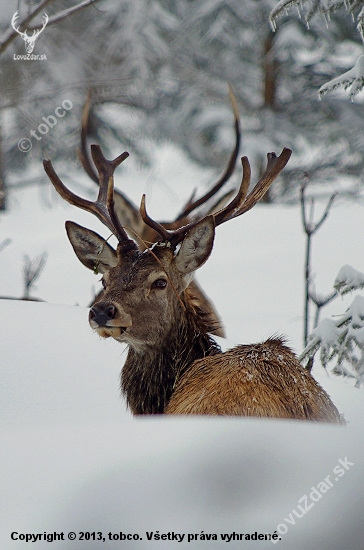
[[149, 377]]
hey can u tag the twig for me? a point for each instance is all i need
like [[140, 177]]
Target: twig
[[4, 244], [65, 13], [321, 302], [310, 229], [31, 271]]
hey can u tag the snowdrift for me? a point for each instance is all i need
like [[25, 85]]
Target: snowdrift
[[73, 460]]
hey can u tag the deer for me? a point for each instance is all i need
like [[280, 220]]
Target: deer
[[29, 40], [131, 219], [173, 364]]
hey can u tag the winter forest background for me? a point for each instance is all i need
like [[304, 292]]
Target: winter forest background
[[158, 71], [157, 74]]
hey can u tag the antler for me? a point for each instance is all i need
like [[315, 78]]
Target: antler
[[241, 203], [121, 200], [192, 205], [82, 152], [103, 207]]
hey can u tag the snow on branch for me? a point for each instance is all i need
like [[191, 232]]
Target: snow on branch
[[342, 340], [348, 279], [281, 7], [360, 25], [325, 7], [353, 78]]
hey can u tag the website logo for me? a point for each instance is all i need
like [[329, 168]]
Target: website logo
[[29, 40]]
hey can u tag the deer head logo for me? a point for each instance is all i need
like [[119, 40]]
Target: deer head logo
[[29, 40]]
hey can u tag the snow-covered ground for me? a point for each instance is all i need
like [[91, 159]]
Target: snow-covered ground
[[74, 460]]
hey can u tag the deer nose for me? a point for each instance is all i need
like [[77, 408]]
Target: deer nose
[[102, 313]]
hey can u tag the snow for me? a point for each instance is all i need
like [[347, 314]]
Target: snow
[[72, 457], [360, 25], [354, 78], [341, 338], [348, 279]]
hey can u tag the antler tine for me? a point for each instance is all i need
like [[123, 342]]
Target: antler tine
[[82, 152], [173, 236], [106, 169], [121, 200], [238, 200], [240, 204], [191, 204], [103, 207], [74, 199], [275, 166], [164, 233]]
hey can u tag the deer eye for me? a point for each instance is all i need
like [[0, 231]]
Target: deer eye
[[159, 283], [103, 282]]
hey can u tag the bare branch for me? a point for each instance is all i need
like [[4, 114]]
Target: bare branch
[[310, 229], [307, 220], [66, 13], [326, 213], [4, 244]]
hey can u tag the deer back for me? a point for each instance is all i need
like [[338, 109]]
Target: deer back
[[252, 380]]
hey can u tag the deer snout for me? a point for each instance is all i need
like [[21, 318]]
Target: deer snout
[[108, 320], [102, 313]]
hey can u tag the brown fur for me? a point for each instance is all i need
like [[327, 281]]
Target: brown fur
[[252, 380], [148, 379]]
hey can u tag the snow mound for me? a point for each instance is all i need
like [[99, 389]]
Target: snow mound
[[73, 459]]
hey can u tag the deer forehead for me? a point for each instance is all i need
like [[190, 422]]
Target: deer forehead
[[141, 269]]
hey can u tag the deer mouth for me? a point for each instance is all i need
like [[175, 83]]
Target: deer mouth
[[106, 332]]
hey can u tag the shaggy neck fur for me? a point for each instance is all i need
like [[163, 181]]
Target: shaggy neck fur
[[148, 378]]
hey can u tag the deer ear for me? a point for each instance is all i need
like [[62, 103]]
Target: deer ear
[[196, 246], [91, 249]]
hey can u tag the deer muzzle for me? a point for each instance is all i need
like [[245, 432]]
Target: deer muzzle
[[108, 320]]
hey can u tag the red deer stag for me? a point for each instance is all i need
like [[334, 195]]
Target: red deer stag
[[130, 217], [173, 365]]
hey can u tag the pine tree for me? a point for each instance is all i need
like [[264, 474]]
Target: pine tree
[[353, 79], [341, 340], [159, 69]]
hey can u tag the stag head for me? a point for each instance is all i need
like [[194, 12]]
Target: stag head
[[142, 289]]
